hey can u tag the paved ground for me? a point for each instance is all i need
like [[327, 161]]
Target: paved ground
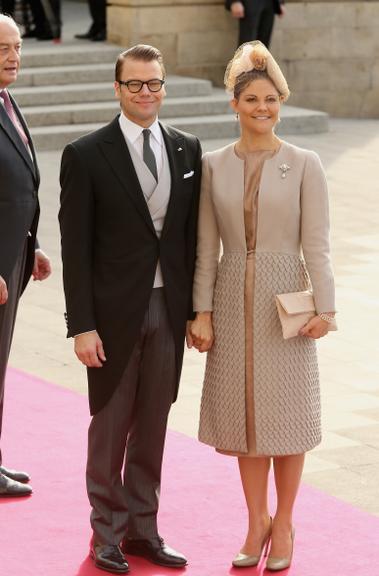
[[347, 462]]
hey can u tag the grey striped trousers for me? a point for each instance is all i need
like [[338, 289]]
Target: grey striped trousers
[[126, 438]]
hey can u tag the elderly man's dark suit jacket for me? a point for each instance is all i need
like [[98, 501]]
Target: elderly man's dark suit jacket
[[110, 248], [19, 207]]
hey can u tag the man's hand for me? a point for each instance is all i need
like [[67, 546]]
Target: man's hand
[[282, 11], [202, 331], [189, 338], [3, 291], [89, 349], [42, 267], [316, 328], [237, 10]]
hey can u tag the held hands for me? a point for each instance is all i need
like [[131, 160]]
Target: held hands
[[3, 291], [201, 332], [316, 328], [42, 267], [237, 10], [89, 349], [189, 338]]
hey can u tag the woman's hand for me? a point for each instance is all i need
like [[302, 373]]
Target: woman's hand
[[202, 331], [316, 328]]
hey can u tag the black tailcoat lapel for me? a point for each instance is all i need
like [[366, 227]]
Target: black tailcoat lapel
[[176, 156], [117, 154]]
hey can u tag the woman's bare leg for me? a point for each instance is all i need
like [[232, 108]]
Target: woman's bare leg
[[254, 475], [287, 471]]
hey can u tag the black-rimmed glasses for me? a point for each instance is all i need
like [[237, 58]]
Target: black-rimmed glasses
[[135, 86]]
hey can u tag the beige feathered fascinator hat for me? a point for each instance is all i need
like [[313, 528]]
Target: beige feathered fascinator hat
[[255, 56]]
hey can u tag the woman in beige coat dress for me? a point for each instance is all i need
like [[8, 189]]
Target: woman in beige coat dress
[[266, 201]]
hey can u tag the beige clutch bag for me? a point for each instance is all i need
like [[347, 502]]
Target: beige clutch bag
[[295, 309]]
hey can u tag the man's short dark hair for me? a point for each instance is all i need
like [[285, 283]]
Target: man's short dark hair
[[142, 52]]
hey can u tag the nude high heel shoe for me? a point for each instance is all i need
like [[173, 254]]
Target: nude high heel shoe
[[276, 564], [242, 560]]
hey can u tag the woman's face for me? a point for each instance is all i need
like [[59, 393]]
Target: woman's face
[[258, 106]]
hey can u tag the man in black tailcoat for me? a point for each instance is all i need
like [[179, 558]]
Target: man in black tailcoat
[[128, 217]]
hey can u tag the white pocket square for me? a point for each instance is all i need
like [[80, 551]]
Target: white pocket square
[[189, 174]]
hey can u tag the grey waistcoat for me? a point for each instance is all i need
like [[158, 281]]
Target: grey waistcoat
[[157, 195]]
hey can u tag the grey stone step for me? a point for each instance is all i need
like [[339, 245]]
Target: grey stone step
[[61, 55], [293, 121], [302, 121], [59, 75], [63, 94], [33, 95], [102, 112]]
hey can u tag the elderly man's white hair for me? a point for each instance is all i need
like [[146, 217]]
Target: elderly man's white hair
[[5, 19]]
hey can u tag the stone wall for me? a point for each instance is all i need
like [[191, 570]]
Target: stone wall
[[329, 50], [196, 37]]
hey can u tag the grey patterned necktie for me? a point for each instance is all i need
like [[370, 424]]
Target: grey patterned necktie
[[148, 154]]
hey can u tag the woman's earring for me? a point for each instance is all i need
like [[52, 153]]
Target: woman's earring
[[237, 116]]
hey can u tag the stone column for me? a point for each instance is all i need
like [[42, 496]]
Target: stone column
[[196, 37]]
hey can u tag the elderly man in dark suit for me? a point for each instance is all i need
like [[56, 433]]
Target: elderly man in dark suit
[[128, 218], [256, 18], [19, 213]]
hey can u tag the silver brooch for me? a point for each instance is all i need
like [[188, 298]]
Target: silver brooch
[[284, 169]]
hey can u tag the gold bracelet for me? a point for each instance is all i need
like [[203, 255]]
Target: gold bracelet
[[327, 317]]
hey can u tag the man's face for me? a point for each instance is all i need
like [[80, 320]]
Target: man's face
[[141, 107], [10, 49]]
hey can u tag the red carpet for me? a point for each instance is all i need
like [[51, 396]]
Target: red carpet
[[202, 510]]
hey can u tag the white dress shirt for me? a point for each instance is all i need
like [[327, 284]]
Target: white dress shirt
[[133, 133]]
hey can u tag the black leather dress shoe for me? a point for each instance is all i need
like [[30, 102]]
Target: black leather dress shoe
[[15, 474], [99, 36], [85, 36], [109, 557], [155, 551], [11, 489]]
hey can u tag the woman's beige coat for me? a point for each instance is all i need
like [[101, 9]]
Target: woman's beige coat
[[292, 247]]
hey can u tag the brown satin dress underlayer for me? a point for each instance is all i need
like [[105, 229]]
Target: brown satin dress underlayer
[[254, 162]]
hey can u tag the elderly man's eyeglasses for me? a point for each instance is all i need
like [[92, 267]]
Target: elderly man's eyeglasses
[[135, 86]]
